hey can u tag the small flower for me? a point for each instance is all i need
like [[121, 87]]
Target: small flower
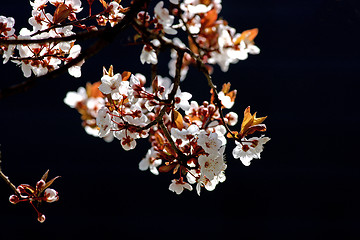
[[111, 85], [164, 18], [178, 185], [209, 142], [150, 161], [103, 121], [51, 195], [73, 98], [212, 165], [6, 26], [181, 99], [148, 55], [75, 70], [249, 149]]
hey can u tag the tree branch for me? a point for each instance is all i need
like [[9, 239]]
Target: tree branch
[[6, 179], [106, 36]]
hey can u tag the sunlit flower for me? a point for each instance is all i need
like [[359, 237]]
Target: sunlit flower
[[209, 142], [150, 162], [213, 164], [249, 149], [148, 55], [178, 185], [6, 26], [75, 70]]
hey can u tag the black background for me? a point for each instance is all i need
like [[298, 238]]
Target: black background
[[305, 186]]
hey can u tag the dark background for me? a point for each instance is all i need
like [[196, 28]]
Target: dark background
[[305, 186]]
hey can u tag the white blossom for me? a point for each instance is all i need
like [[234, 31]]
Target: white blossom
[[111, 85], [178, 186], [51, 195], [148, 55], [103, 121], [6, 26], [150, 162], [249, 149], [73, 98], [209, 142], [212, 164], [75, 70]]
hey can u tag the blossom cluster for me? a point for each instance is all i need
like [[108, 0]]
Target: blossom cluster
[[52, 52], [209, 36], [190, 144], [187, 137]]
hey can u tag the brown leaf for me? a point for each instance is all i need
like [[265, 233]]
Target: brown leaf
[[259, 127], [177, 119], [125, 75], [92, 90], [61, 13], [209, 19], [48, 184], [155, 84], [167, 168], [103, 3], [247, 36], [248, 121], [44, 177]]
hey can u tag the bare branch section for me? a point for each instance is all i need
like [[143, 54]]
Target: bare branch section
[[6, 179], [106, 36]]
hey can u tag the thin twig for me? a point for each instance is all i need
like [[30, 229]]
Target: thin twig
[[6, 179], [106, 36]]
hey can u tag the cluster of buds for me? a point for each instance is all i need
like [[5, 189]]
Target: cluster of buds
[[35, 195]]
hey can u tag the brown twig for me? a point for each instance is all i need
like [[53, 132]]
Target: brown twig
[[6, 179], [106, 36]]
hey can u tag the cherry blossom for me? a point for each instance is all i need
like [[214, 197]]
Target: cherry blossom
[[111, 85], [148, 55], [181, 98], [6, 26], [123, 106], [150, 162], [103, 121], [164, 18], [178, 186], [75, 70], [249, 149], [213, 164], [209, 142]]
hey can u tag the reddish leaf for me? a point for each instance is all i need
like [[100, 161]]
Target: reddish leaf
[[125, 75], [167, 168], [177, 119], [61, 13], [104, 4], [209, 18]]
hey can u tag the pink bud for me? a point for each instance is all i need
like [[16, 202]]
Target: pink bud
[[40, 184], [14, 199], [211, 108], [41, 218], [51, 195]]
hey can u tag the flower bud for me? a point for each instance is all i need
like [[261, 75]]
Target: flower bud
[[211, 108], [51, 195], [40, 184], [41, 218], [14, 199]]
